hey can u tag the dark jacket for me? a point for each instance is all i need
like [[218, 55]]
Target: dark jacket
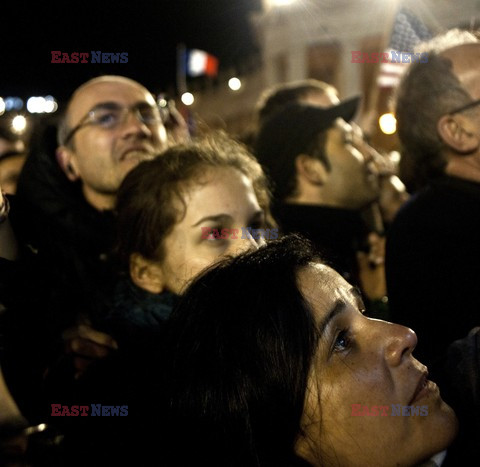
[[63, 271], [338, 233], [433, 265]]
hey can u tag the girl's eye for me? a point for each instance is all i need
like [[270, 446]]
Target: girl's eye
[[257, 225], [342, 341], [215, 236]]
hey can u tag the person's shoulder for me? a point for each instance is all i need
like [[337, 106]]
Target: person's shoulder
[[419, 210]]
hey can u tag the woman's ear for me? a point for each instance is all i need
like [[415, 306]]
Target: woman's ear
[[458, 133], [311, 169], [146, 274]]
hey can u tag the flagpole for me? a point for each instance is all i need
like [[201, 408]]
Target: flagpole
[[181, 69]]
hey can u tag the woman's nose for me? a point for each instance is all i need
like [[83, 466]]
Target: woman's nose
[[244, 242], [399, 343]]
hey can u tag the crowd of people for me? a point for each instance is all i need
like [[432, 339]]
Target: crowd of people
[[175, 299]]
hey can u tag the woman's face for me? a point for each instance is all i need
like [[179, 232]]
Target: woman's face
[[361, 369], [222, 199]]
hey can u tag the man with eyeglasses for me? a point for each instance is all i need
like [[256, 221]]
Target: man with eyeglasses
[[64, 214], [433, 247], [111, 124]]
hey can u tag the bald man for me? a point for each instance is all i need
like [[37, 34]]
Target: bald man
[[433, 249], [111, 124], [63, 218]]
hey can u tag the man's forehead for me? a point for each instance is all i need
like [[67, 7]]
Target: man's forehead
[[123, 92]]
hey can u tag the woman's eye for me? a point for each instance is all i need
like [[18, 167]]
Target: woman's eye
[[342, 341]]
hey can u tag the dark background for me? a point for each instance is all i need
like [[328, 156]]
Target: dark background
[[148, 30]]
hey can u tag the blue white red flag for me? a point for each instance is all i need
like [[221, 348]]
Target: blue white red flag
[[201, 63]]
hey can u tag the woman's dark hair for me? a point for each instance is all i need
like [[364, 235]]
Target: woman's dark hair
[[239, 351], [150, 200]]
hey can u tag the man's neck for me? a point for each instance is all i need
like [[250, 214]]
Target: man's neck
[[465, 167], [316, 198], [100, 201]]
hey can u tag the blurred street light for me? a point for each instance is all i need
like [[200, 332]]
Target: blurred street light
[[19, 124], [187, 98], [388, 123], [234, 84]]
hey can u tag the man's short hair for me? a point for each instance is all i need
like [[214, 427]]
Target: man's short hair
[[63, 130], [443, 42], [276, 97], [426, 92]]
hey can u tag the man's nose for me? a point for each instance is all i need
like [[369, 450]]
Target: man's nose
[[133, 123]]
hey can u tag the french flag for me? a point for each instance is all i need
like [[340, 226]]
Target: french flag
[[200, 63]]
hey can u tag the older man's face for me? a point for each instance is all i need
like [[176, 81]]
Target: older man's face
[[101, 156]]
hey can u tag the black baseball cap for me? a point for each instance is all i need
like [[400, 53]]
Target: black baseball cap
[[295, 124]]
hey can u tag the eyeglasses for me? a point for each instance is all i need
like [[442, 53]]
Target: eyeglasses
[[465, 107], [110, 115]]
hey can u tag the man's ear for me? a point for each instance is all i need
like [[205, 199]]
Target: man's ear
[[67, 163], [458, 133], [146, 274], [311, 169]]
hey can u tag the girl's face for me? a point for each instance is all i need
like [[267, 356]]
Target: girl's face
[[222, 199], [368, 401]]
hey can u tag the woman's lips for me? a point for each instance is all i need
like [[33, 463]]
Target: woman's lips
[[424, 388]]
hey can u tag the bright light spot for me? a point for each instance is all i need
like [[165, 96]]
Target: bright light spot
[[2, 106], [187, 98], [234, 84], [395, 157], [36, 105], [281, 2], [162, 102], [50, 105], [19, 123], [388, 123]]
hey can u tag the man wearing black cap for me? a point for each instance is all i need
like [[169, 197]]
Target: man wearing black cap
[[322, 179]]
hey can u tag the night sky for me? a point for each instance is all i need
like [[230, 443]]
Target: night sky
[[148, 30]]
